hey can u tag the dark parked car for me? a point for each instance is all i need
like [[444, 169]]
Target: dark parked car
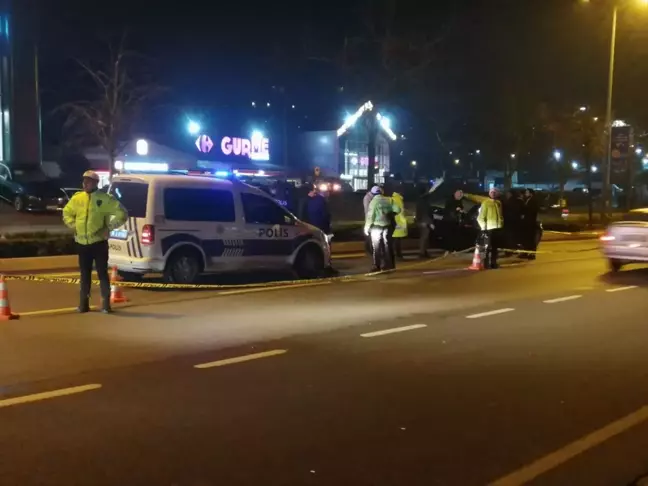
[[468, 228], [27, 188]]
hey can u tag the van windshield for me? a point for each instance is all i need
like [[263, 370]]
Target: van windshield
[[132, 195]]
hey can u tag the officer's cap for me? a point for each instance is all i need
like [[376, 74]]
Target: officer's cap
[[91, 174]]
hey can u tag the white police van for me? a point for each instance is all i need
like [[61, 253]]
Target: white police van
[[183, 226]]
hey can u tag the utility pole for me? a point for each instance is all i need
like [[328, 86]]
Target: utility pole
[[607, 196], [372, 127]]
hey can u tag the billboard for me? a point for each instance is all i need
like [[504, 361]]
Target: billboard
[[621, 148], [230, 148]]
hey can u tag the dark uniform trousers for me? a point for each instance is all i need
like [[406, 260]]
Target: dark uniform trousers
[[381, 248], [491, 241], [96, 253]]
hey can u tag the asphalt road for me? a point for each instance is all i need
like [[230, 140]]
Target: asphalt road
[[532, 374], [35, 298]]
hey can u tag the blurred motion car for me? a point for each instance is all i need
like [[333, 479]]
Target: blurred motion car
[[27, 188], [626, 241]]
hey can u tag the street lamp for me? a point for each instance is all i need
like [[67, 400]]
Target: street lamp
[[512, 156], [193, 127], [413, 163], [557, 155], [456, 161], [638, 151], [478, 151], [574, 165], [594, 168]]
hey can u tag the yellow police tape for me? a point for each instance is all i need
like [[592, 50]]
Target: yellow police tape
[[278, 284], [160, 285]]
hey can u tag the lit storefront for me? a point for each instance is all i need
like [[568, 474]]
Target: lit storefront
[[356, 147], [356, 162]]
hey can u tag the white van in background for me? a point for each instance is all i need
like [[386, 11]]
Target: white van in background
[[183, 226]]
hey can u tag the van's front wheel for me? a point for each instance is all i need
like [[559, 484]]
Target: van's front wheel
[[309, 263], [183, 267]]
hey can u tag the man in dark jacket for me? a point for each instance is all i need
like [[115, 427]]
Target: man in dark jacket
[[530, 223], [453, 218], [512, 209], [317, 211]]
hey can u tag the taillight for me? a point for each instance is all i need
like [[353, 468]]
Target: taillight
[[148, 234]]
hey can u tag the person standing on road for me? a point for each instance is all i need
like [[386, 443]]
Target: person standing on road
[[92, 214], [375, 190], [318, 214], [512, 209], [454, 213], [400, 228], [530, 224], [424, 221], [377, 225], [491, 221], [424, 218]]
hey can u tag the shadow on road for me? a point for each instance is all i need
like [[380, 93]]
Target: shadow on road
[[634, 276], [145, 315]]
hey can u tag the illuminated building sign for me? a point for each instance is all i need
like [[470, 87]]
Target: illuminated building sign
[[204, 144], [256, 148]]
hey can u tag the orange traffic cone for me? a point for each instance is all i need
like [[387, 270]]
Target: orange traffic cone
[[5, 308], [477, 262], [116, 294]]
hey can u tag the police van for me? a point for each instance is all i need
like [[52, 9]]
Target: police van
[[183, 226]]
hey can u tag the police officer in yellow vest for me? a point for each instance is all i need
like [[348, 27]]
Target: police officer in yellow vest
[[400, 231], [92, 214], [491, 222]]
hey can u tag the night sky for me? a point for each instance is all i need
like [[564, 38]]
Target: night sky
[[215, 60]]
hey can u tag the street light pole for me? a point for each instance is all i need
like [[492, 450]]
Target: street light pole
[[607, 196]]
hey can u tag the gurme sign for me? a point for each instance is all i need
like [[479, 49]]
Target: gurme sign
[[255, 147]]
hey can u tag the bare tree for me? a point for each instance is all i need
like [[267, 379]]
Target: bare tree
[[115, 102]]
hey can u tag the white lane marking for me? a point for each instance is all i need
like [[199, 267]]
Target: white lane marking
[[556, 458], [490, 313], [392, 330], [621, 289], [241, 359], [36, 397], [562, 299]]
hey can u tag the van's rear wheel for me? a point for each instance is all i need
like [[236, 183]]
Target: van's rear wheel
[[183, 267], [309, 263]]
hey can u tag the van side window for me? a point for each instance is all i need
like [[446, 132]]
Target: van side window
[[262, 210], [187, 204]]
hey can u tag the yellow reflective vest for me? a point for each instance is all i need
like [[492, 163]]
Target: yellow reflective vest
[[401, 220], [490, 215], [92, 216]]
